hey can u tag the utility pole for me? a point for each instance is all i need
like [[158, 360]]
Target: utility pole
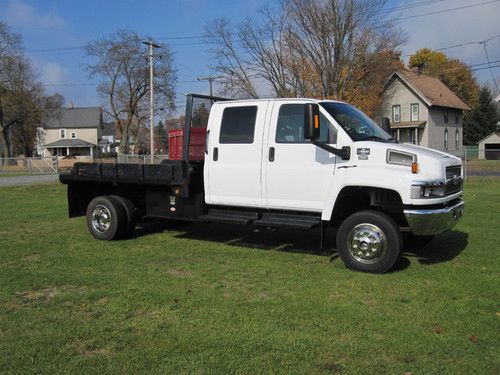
[[210, 79], [151, 96]]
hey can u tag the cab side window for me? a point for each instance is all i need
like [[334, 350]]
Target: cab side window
[[290, 126], [238, 124]]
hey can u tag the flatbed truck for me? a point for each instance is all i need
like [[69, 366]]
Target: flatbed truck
[[292, 163]]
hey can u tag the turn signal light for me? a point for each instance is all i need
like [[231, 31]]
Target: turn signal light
[[414, 167], [316, 121]]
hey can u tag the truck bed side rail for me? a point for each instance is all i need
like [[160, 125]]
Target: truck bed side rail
[[173, 173]]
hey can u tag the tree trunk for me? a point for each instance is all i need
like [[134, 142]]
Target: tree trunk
[[3, 135]]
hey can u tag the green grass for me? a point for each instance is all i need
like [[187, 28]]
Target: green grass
[[222, 299]]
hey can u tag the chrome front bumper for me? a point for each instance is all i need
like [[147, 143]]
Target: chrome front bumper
[[434, 221]]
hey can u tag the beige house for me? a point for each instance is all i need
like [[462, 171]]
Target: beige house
[[423, 111], [489, 147], [74, 131]]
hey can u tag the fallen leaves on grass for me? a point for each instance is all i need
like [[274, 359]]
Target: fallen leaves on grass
[[179, 273], [31, 258], [87, 349], [439, 329], [47, 294]]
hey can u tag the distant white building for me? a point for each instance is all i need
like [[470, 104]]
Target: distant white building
[[73, 131]]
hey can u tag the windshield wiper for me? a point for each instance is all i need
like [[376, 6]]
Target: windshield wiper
[[377, 138]]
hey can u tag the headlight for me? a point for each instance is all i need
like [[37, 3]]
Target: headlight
[[429, 189]]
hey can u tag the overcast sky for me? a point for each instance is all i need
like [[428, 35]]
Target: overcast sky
[[71, 23]]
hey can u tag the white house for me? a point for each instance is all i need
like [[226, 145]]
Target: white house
[[424, 111]]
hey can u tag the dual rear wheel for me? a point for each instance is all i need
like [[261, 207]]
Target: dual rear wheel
[[110, 217]]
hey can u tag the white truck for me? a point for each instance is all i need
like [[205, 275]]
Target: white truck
[[293, 163]]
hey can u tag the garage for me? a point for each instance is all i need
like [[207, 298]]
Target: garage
[[489, 147]]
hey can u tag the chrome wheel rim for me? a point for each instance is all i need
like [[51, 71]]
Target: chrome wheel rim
[[101, 218], [367, 243]]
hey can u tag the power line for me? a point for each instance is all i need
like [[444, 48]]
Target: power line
[[448, 10], [459, 45], [484, 43], [410, 5]]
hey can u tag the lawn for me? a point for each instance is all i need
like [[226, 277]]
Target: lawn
[[221, 299]]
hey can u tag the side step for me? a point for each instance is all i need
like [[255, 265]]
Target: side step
[[288, 221], [229, 216]]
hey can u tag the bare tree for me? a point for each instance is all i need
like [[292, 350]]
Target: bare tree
[[229, 61], [303, 47], [23, 102], [122, 66]]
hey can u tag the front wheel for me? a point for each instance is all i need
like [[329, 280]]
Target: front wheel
[[369, 241]]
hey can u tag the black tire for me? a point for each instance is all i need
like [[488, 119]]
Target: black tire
[[130, 213], [106, 218], [369, 241], [412, 242]]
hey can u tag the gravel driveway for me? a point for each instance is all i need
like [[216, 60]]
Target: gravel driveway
[[28, 180]]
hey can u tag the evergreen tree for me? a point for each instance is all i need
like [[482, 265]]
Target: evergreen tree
[[482, 120], [161, 138]]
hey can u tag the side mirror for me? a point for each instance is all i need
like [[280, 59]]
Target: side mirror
[[386, 125], [311, 121]]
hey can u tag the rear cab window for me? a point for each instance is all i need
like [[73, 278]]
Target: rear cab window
[[238, 125]]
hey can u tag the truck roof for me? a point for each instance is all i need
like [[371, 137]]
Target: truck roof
[[277, 100]]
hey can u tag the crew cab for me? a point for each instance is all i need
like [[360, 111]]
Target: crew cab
[[293, 163]]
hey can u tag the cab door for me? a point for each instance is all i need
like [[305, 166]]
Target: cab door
[[297, 173], [233, 164]]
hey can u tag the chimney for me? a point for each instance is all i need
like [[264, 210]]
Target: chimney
[[70, 106], [416, 70]]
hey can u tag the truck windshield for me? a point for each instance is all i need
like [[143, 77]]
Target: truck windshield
[[358, 125]]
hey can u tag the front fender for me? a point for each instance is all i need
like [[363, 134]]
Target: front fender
[[347, 176]]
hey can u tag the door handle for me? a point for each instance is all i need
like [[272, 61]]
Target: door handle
[[216, 154], [271, 154], [206, 141]]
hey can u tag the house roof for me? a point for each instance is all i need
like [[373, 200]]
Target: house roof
[[489, 136], [108, 129], [77, 117], [431, 90], [74, 142]]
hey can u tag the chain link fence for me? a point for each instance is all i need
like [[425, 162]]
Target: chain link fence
[[477, 162], [35, 165], [481, 162], [47, 165]]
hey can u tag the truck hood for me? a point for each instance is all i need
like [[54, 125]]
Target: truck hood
[[425, 152]]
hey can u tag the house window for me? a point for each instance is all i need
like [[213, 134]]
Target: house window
[[446, 139], [457, 139], [62, 133], [445, 117], [396, 113], [457, 117], [414, 111], [73, 135]]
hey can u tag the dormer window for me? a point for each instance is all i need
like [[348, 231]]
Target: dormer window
[[62, 133]]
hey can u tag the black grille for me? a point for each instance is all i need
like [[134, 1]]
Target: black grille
[[454, 187], [453, 171]]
